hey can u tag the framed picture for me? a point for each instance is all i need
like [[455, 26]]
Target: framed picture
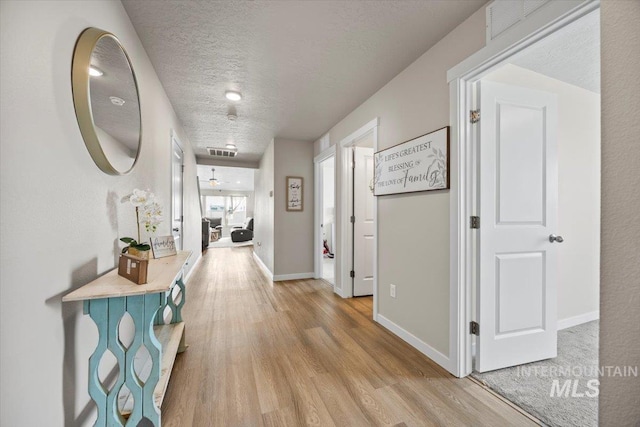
[[163, 246], [295, 187], [420, 164]]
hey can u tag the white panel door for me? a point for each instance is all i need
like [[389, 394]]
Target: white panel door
[[176, 193], [363, 228], [516, 302]]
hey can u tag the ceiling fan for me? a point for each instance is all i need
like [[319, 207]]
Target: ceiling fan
[[213, 181]]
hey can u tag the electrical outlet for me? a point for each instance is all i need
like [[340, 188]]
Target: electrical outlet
[[392, 290]]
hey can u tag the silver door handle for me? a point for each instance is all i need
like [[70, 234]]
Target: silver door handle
[[554, 238]]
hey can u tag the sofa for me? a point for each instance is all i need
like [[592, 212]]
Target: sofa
[[244, 233]]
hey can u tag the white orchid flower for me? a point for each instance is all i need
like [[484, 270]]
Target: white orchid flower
[[140, 197], [151, 215], [148, 211]]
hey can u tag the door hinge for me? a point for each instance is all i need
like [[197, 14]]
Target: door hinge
[[181, 218], [182, 166], [353, 219], [475, 222], [474, 328], [474, 116], [352, 273]]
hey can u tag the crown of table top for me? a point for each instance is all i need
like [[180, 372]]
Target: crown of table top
[[161, 276]]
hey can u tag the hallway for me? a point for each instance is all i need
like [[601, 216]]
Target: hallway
[[293, 353]]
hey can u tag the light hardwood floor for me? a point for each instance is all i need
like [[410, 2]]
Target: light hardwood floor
[[293, 353]]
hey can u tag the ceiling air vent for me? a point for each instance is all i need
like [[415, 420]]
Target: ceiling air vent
[[502, 15], [222, 152]]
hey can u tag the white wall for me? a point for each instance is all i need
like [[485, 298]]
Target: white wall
[[60, 215], [251, 202], [293, 230], [263, 223], [120, 156], [579, 188], [620, 269], [413, 229]]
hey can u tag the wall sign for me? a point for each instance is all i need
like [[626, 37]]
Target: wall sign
[[295, 186], [420, 164], [163, 246]]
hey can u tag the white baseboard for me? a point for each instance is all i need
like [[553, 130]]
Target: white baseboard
[[415, 342], [578, 320], [341, 292], [263, 267], [193, 268], [294, 276]]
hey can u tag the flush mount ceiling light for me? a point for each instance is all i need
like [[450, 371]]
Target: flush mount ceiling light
[[232, 95], [231, 146], [213, 181], [117, 101], [95, 71]]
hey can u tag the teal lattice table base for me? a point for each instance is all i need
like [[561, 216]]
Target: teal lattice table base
[[136, 394], [107, 314]]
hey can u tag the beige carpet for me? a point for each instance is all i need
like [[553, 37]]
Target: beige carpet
[[529, 386]]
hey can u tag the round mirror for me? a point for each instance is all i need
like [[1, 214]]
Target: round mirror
[[106, 99]]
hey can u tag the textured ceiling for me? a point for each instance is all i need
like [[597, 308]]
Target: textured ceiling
[[301, 65], [229, 179], [571, 55]]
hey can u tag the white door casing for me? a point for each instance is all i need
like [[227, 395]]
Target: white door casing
[[518, 203], [344, 202], [364, 226], [177, 161]]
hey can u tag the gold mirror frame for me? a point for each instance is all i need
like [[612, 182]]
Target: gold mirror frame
[[80, 78]]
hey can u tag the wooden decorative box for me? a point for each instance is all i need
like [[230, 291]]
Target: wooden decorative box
[[133, 268]]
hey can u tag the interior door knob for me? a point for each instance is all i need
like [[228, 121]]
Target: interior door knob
[[177, 229], [554, 238]]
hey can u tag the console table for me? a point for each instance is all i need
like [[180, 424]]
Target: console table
[[106, 300]]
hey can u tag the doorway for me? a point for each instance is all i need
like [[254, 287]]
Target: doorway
[[325, 219], [533, 261], [358, 214], [363, 227], [177, 172], [228, 198]]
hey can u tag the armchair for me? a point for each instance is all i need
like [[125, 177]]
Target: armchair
[[244, 233]]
